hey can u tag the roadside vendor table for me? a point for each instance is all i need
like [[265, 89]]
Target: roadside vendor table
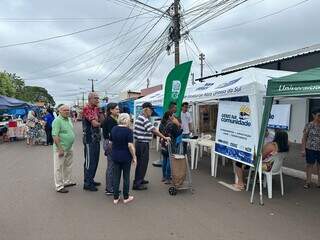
[[17, 132], [214, 158], [193, 147]]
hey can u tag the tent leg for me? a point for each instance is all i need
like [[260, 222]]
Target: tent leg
[[260, 183], [253, 186]]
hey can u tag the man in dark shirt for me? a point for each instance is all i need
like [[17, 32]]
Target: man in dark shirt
[[91, 140]]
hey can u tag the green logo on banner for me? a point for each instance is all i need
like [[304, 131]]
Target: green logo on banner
[[176, 85]]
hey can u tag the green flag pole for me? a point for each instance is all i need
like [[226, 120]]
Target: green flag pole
[[257, 163], [175, 87]]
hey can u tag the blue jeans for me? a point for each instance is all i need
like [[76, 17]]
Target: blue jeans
[[185, 145], [166, 170]]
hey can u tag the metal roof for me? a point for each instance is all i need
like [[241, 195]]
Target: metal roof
[[274, 58]]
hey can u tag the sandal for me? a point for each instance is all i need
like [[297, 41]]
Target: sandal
[[239, 187], [307, 186], [116, 201]]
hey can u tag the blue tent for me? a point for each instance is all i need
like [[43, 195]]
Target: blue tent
[[12, 103]]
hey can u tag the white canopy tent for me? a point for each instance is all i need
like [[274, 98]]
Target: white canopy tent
[[250, 82]]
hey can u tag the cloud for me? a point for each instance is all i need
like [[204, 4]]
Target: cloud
[[223, 45]]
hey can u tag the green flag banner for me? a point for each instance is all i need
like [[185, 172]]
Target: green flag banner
[[176, 85]]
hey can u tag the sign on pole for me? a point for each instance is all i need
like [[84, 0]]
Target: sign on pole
[[280, 116], [176, 84], [234, 136]]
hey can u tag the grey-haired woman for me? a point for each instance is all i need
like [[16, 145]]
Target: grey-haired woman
[[123, 155]]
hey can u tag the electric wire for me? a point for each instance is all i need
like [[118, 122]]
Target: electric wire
[[68, 34]]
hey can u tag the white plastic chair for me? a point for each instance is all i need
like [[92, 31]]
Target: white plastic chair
[[275, 170]]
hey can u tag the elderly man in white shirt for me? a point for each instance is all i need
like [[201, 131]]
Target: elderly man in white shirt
[[186, 124]]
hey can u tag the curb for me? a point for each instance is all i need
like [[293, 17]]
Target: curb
[[298, 174]]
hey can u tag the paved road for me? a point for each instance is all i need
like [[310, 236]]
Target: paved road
[[31, 209]]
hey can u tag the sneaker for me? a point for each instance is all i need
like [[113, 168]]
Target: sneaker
[[129, 199], [116, 201], [70, 185], [167, 181], [90, 188], [63, 190], [96, 184], [108, 193], [142, 187], [145, 182], [307, 186]]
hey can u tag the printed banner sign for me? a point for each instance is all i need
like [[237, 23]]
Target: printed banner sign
[[175, 87], [234, 136], [280, 116]]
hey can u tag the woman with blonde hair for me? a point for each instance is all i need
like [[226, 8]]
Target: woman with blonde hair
[[123, 155]]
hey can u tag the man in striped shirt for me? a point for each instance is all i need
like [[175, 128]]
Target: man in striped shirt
[[143, 132]]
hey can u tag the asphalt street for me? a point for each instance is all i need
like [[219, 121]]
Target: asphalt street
[[30, 209]]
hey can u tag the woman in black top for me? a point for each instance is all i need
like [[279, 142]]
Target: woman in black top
[[169, 127], [110, 121]]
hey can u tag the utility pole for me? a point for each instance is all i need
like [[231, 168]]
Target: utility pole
[[92, 87], [148, 83], [201, 58], [176, 31], [83, 99], [192, 79]]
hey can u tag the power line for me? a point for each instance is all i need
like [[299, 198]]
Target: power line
[[73, 19], [89, 51], [68, 34], [134, 48], [256, 19]]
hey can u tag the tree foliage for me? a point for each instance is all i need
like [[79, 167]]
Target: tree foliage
[[12, 85]]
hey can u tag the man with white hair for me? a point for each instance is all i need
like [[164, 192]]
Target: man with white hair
[[91, 139], [63, 136]]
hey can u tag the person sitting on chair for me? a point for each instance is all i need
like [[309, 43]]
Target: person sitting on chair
[[269, 150]]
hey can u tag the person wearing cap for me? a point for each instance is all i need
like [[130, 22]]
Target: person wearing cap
[[143, 132]]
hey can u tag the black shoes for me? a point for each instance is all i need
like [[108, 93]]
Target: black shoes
[[108, 193], [90, 188], [145, 182], [141, 187], [96, 184], [63, 190]]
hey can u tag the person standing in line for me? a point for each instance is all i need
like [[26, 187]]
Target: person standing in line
[[169, 127], [48, 118], [173, 107], [311, 147], [143, 130], [91, 139], [110, 121], [123, 155], [186, 124], [31, 123], [63, 135]]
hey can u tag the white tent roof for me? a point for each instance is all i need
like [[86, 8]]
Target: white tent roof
[[243, 83]]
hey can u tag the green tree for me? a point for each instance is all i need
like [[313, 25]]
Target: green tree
[[7, 87], [12, 85], [34, 94]]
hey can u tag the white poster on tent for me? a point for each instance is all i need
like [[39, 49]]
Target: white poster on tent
[[280, 116], [234, 136]]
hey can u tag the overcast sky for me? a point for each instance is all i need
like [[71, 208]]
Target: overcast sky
[[64, 65]]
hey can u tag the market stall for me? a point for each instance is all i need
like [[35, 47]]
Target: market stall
[[14, 110], [302, 84]]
